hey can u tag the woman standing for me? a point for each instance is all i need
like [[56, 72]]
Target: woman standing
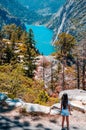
[[65, 110]]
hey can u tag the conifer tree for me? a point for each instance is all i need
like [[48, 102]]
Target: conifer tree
[[64, 45], [0, 35], [19, 32], [31, 38], [9, 54], [24, 37], [30, 53], [8, 30], [1, 52]]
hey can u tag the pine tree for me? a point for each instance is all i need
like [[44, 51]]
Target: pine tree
[[0, 36], [9, 54], [30, 53], [2, 45], [64, 45], [19, 32], [8, 30], [24, 37], [31, 38]]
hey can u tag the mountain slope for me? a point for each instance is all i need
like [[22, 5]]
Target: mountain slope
[[7, 18], [51, 5], [70, 19], [18, 10], [43, 8], [13, 7], [32, 11]]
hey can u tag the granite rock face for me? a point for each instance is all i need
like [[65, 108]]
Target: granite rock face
[[71, 18], [77, 98]]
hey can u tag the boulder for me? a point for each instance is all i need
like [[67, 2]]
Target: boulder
[[3, 97], [75, 94], [55, 109], [14, 102], [78, 105], [77, 98], [30, 107], [54, 112]]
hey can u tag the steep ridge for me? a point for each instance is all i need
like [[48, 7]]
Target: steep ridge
[[71, 18]]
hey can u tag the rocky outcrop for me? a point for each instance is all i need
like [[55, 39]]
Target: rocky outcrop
[[77, 101], [77, 98], [44, 69]]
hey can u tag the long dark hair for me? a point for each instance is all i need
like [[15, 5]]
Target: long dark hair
[[64, 100]]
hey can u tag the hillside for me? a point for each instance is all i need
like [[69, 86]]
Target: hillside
[[43, 9], [71, 18], [34, 12], [51, 5], [17, 10], [7, 18]]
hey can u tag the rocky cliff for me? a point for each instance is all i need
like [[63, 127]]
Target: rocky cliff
[[71, 18]]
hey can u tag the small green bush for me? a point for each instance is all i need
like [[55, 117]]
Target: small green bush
[[10, 95], [42, 97]]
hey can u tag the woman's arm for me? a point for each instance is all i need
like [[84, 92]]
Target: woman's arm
[[61, 106], [69, 109]]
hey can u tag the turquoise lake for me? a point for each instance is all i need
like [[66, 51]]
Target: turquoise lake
[[43, 37]]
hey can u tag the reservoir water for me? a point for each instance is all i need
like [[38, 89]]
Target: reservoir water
[[43, 37]]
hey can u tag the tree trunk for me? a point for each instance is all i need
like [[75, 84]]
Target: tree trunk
[[52, 87], [63, 72], [63, 77], [78, 74], [83, 75]]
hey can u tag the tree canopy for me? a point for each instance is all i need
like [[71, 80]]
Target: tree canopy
[[65, 44]]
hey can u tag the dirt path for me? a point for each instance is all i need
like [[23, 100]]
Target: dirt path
[[14, 120]]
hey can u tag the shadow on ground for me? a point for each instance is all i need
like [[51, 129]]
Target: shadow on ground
[[19, 122], [15, 123], [7, 123], [6, 108]]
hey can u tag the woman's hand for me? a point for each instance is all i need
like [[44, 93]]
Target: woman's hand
[[70, 113]]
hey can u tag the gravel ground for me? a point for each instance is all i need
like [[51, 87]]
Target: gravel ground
[[14, 120]]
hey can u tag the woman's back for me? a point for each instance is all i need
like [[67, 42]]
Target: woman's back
[[65, 110], [64, 101]]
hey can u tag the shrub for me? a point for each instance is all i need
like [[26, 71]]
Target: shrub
[[10, 95], [42, 97]]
